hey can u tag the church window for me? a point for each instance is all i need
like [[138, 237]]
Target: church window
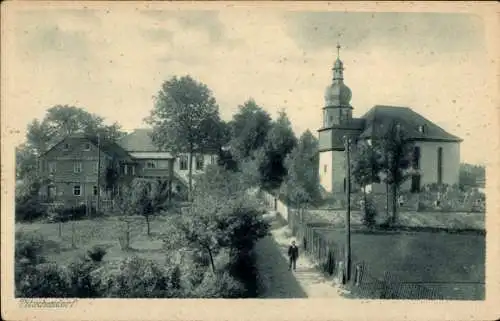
[[440, 165], [421, 129], [416, 157]]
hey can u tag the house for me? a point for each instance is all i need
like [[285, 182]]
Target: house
[[156, 164], [71, 167], [436, 155]]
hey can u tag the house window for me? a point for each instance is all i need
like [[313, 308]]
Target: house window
[[77, 190], [95, 190], [52, 167], [183, 165], [213, 159], [86, 146], [151, 164], [440, 165], [199, 162], [133, 169], [66, 146], [77, 167], [125, 169], [163, 163], [416, 157], [415, 183]]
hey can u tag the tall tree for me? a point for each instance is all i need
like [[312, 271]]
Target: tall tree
[[184, 119], [301, 185], [249, 129], [280, 141], [366, 166], [396, 152]]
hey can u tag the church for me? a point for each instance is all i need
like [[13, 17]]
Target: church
[[436, 155]]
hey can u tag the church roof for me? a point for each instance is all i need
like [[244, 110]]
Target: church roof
[[416, 127], [139, 141]]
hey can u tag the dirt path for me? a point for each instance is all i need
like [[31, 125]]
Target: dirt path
[[276, 280]]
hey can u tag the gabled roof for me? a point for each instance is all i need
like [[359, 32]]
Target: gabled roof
[[379, 118], [138, 141], [109, 147]]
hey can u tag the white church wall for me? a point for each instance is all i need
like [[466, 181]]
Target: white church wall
[[325, 170], [429, 162]]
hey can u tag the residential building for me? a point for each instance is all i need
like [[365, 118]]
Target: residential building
[[71, 167], [436, 157]]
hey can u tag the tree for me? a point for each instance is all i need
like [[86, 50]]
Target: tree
[[280, 141], [301, 185], [366, 166], [396, 154], [59, 121], [185, 119], [249, 129]]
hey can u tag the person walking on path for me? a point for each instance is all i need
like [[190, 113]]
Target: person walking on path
[[293, 255]]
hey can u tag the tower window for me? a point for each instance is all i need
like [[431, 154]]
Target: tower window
[[325, 168]]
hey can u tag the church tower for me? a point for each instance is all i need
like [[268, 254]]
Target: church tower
[[337, 124]]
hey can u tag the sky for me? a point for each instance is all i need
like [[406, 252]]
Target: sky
[[112, 62]]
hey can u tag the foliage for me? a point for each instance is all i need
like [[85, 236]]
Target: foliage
[[219, 285], [186, 119], [249, 129], [139, 278], [28, 207], [396, 155], [97, 253], [74, 213], [369, 213], [29, 248], [85, 280], [301, 185], [46, 280], [280, 141], [469, 175]]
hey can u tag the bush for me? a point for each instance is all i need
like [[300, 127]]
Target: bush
[[139, 278], [220, 285], [85, 280], [369, 213], [97, 253], [29, 248], [29, 209], [74, 213], [46, 280]]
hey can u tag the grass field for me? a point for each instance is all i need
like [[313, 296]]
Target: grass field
[[104, 232], [453, 263]]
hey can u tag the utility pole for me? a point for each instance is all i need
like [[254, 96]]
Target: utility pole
[[97, 207], [347, 271]]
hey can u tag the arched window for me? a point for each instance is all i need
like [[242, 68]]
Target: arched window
[[440, 165], [416, 157]]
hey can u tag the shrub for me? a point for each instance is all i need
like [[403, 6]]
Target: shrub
[[46, 280], [220, 285], [369, 213], [73, 213], [85, 280], [29, 248], [28, 209], [97, 253], [139, 278]]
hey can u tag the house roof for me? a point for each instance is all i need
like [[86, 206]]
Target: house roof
[[109, 147], [378, 119], [138, 141]]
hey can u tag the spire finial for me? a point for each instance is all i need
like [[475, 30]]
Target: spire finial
[[338, 49]]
